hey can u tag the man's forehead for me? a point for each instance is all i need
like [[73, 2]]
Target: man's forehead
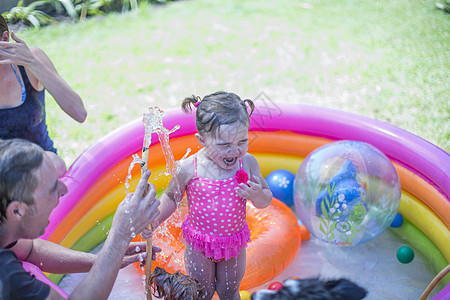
[[46, 168]]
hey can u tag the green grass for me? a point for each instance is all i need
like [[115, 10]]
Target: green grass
[[386, 60]]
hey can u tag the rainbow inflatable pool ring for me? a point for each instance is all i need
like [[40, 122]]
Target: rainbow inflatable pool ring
[[280, 137]]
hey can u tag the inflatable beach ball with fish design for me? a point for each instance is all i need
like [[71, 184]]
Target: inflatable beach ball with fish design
[[346, 193]]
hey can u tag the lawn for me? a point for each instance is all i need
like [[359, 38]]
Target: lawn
[[386, 60]]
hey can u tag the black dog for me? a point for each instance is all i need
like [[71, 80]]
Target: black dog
[[314, 289]]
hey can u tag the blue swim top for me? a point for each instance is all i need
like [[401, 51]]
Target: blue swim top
[[27, 120]]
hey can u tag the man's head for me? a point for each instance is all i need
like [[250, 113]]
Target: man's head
[[4, 30], [18, 161], [29, 186]]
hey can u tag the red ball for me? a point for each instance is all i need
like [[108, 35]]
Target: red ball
[[275, 286]]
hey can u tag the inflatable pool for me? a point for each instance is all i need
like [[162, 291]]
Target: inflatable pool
[[279, 138]]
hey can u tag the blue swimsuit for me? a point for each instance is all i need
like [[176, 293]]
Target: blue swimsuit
[[27, 120]]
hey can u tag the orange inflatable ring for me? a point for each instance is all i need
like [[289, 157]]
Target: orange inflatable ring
[[275, 240]]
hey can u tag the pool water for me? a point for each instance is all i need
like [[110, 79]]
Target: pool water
[[372, 265]]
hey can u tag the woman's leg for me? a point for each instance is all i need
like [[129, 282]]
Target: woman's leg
[[203, 269], [229, 275]]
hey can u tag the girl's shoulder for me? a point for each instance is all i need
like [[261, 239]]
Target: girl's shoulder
[[250, 164], [188, 163], [249, 160], [186, 171]]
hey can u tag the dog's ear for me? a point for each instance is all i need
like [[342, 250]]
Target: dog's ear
[[345, 289]]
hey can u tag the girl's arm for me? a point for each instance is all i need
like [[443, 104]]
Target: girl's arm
[[174, 193], [256, 190], [167, 207]]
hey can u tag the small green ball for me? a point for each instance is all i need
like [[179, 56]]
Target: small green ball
[[405, 255]]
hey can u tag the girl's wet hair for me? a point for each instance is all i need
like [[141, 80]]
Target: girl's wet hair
[[3, 25], [176, 286], [218, 109]]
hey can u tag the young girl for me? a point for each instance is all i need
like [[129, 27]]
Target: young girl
[[218, 181]]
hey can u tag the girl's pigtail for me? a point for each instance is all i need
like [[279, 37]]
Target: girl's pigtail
[[249, 103], [190, 102]]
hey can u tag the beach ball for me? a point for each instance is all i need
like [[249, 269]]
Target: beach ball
[[281, 183], [346, 193]]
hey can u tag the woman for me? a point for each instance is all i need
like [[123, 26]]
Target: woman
[[25, 73]]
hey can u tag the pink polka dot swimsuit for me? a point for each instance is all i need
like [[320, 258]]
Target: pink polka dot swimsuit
[[216, 222]]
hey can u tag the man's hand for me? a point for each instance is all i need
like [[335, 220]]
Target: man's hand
[[137, 252], [136, 211]]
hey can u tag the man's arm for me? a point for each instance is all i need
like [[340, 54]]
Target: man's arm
[[53, 258], [133, 215]]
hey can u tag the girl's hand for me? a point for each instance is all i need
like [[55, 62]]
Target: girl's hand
[[252, 190]]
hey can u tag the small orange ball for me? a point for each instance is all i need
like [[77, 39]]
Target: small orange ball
[[304, 233], [295, 277]]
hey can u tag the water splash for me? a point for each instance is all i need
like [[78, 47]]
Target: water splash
[[153, 122], [136, 160]]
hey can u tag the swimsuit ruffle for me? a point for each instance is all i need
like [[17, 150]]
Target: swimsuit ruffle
[[216, 247]]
